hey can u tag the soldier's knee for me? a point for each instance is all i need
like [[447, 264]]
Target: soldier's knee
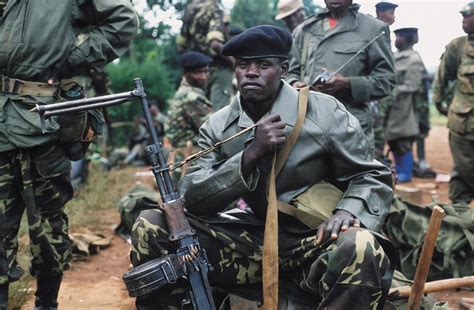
[[149, 223], [358, 242]]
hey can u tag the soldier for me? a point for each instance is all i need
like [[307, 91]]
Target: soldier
[[38, 61], [292, 12], [455, 74], [402, 126], [189, 108], [203, 31], [385, 11], [329, 39], [331, 147]]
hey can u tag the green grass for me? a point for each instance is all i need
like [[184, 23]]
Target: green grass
[[102, 192]]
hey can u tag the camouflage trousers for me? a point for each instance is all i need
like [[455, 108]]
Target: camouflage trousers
[[381, 110], [352, 272], [461, 184], [36, 180]]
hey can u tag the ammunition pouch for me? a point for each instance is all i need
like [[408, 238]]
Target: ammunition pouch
[[152, 275], [73, 126]]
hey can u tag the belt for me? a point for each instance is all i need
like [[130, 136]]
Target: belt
[[26, 88]]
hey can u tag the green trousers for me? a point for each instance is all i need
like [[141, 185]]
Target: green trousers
[[461, 185], [37, 180], [351, 273]]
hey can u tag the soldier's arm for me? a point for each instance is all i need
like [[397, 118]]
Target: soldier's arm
[[447, 71], [113, 26], [380, 79]]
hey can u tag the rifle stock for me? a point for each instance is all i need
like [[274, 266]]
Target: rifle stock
[[190, 260]]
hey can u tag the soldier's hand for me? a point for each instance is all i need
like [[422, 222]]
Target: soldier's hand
[[269, 133], [298, 84], [339, 222], [441, 108], [336, 84]]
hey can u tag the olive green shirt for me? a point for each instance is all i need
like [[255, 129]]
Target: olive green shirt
[[455, 79], [331, 147]]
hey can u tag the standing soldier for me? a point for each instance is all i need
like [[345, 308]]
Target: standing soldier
[[455, 73], [402, 126], [292, 13], [328, 40], [203, 31], [38, 61]]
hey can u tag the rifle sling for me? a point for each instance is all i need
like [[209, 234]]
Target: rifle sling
[[270, 239]]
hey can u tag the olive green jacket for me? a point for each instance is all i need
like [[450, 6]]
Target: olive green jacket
[[454, 79], [403, 119], [331, 147], [371, 73], [42, 38]]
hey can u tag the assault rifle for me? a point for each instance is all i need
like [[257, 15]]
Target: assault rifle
[[190, 260], [326, 75]]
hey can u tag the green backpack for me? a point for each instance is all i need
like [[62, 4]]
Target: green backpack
[[406, 226]]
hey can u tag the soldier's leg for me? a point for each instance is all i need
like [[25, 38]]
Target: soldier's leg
[[461, 185], [51, 253], [220, 87], [11, 210], [233, 251], [352, 273]]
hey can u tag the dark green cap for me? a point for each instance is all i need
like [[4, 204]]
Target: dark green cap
[[468, 8]]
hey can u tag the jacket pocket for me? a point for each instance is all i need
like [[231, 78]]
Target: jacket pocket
[[24, 22], [466, 78], [50, 160], [460, 119]]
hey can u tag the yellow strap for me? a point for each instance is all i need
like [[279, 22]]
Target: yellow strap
[[270, 238], [290, 142], [270, 247]]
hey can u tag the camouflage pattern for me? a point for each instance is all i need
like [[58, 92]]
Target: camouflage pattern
[[38, 180], [381, 109], [188, 109], [455, 74], [353, 268], [202, 23], [371, 74]]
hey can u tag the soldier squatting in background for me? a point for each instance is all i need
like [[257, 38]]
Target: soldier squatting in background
[[38, 64], [453, 94]]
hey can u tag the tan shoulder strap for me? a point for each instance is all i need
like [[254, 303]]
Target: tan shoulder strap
[[295, 133], [270, 238]]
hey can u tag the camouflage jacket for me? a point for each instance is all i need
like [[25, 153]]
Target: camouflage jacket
[[187, 111], [41, 38], [403, 121], [371, 74], [202, 23], [331, 147], [456, 74]]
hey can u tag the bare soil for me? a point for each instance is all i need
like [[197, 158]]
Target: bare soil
[[96, 283]]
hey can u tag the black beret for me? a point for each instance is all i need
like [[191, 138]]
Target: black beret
[[406, 31], [193, 60], [385, 6], [259, 42]]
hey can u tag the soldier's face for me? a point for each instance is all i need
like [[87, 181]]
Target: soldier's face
[[198, 77], [338, 5], [258, 79], [468, 23], [294, 19], [387, 16]]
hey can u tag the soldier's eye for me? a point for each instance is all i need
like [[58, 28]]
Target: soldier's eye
[[264, 65]]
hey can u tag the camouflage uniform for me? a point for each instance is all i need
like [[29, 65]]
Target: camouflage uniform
[[202, 23], [332, 276], [34, 167], [187, 111], [371, 74], [457, 68]]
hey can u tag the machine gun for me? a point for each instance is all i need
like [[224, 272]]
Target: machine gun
[[326, 75], [190, 260]]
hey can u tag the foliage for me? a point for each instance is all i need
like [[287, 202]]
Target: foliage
[[249, 13]]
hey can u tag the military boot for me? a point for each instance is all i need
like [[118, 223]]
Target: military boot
[[47, 293], [3, 296], [404, 167]]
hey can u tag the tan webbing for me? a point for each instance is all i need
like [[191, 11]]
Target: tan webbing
[[270, 238]]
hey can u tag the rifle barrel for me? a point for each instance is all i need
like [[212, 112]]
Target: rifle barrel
[[52, 112]]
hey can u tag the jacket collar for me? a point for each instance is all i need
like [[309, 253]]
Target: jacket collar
[[347, 23], [285, 105]]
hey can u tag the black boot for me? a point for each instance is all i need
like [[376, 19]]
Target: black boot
[[3, 296], [47, 293]]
